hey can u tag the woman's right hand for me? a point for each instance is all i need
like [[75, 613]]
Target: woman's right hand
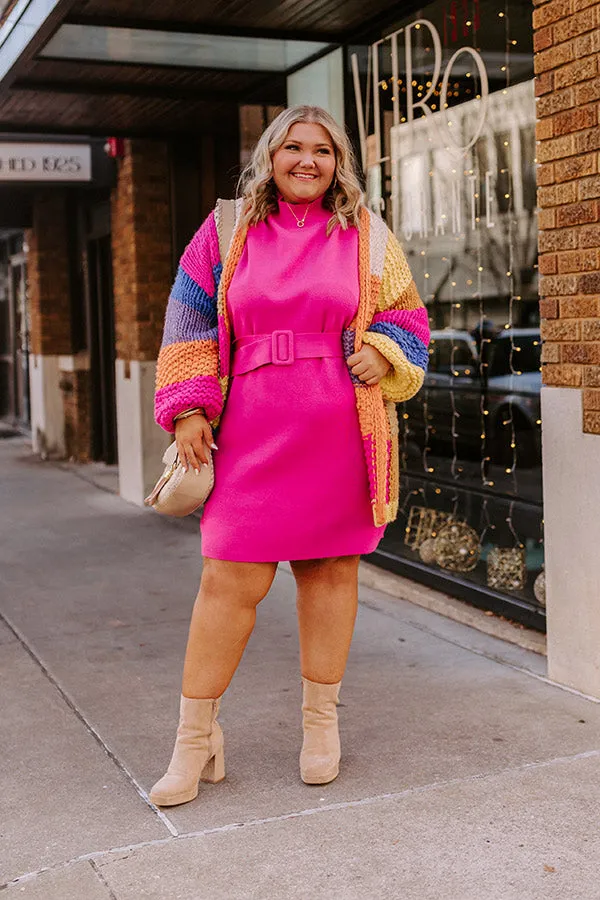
[[193, 435]]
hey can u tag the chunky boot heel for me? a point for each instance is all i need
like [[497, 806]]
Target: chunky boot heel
[[198, 753], [320, 756], [214, 770]]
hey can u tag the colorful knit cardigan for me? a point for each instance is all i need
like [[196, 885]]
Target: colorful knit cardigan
[[194, 361]]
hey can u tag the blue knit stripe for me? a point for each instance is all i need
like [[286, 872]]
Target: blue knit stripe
[[191, 294], [414, 350]]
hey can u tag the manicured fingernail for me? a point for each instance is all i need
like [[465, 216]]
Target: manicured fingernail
[[214, 447], [197, 471], [184, 467], [205, 464]]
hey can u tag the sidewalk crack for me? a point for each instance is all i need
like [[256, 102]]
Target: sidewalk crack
[[101, 878], [90, 728], [103, 856]]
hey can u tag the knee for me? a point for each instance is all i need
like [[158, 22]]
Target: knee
[[244, 584], [330, 570]]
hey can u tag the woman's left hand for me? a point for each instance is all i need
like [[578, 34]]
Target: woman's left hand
[[369, 365]]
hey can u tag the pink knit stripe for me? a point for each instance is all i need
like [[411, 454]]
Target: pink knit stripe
[[414, 320], [388, 474], [204, 391], [202, 254]]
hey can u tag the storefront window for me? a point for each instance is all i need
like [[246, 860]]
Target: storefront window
[[446, 114]]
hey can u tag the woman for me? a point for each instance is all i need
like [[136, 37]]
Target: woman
[[298, 346]]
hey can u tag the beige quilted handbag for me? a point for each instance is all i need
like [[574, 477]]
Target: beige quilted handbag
[[177, 492]]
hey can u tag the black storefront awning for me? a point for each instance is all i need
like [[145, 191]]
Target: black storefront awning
[[132, 68]]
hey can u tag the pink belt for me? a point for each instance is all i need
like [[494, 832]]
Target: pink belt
[[281, 348]]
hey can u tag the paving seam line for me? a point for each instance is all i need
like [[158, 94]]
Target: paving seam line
[[375, 607], [100, 876], [104, 855], [503, 662], [463, 646], [89, 727]]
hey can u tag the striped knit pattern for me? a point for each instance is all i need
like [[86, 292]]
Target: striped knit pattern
[[194, 362]]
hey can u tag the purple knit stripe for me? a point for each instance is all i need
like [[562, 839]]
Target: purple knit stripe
[[182, 323], [414, 320], [201, 254], [204, 390], [348, 337]]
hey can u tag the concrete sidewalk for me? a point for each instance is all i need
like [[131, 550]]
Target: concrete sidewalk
[[465, 775]]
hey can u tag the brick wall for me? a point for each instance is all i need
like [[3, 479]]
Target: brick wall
[[48, 275], [77, 407], [50, 299], [141, 247], [567, 47]]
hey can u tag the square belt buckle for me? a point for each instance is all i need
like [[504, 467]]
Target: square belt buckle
[[282, 348]]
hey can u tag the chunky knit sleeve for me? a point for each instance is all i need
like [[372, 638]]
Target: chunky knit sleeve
[[188, 362], [400, 326]]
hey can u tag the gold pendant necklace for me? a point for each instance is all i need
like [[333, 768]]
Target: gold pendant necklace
[[299, 222]]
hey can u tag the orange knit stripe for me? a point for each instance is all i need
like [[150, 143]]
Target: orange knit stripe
[[185, 360], [374, 422], [364, 277], [375, 282], [233, 257], [382, 437]]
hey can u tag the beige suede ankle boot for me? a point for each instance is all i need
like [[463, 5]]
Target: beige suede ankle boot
[[320, 756], [198, 753]]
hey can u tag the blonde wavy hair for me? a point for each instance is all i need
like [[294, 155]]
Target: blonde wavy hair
[[344, 197]]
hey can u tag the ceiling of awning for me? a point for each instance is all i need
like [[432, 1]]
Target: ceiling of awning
[[104, 75]]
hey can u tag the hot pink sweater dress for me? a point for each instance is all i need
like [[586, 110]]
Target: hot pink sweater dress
[[290, 473]]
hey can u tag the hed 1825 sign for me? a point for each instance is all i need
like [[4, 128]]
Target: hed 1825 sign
[[45, 162]]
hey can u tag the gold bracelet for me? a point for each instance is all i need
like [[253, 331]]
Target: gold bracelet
[[190, 412]]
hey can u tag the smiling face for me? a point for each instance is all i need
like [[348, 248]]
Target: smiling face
[[304, 165]]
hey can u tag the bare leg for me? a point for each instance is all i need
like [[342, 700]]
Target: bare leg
[[327, 604], [222, 621]]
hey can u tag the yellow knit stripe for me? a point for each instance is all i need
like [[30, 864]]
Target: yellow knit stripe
[[396, 289], [405, 379]]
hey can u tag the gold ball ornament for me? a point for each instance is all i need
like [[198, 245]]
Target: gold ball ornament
[[506, 568], [427, 551], [457, 547], [539, 589]]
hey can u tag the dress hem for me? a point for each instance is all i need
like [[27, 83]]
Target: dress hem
[[329, 553]]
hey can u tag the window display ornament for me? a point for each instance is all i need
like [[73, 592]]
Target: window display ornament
[[427, 551], [423, 523], [539, 588], [506, 568], [457, 547]]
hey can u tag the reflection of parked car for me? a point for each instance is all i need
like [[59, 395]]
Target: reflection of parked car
[[457, 382]]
